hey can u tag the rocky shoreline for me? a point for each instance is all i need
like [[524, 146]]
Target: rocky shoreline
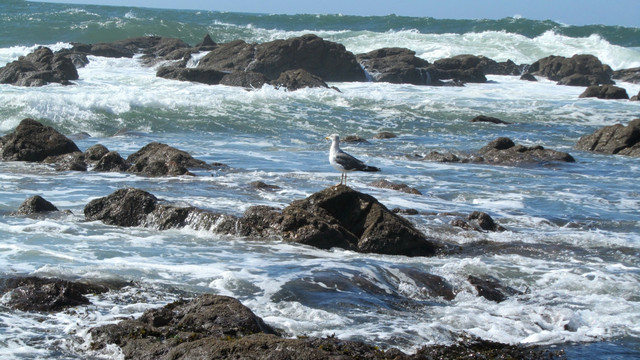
[[309, 61]]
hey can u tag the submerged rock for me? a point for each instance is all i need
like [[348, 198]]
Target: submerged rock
[[628, 75], [489, 119], [478, 221], [34, 142], [385, 184], [614, 139], [490, 289], [298, 79]]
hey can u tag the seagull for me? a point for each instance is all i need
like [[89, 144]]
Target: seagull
[[344, 162]]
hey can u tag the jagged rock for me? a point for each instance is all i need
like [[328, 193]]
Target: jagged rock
[[48, 295], [67, 162], [614, 139], [579, 70], [397, 66], [207, 44], [298, 79], [34, 142], [605, 92], [528, 77], [328, 60], [246, 79], [492, 67], [385, 184], [628, 75], [39, 68], [157, 159], [34, 205], [489, 119], [151, 46]]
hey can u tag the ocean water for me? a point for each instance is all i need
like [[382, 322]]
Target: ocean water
[[573, 236]]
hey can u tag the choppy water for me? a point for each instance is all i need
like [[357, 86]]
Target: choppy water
[[574, 229]]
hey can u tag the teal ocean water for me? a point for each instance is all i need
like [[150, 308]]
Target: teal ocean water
[[573, 236]]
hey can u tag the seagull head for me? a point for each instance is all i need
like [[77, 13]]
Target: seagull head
[[333, 137]]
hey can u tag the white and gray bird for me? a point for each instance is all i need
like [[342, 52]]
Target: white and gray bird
[[344, 162]]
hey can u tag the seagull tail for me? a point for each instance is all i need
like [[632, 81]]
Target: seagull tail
[[371, 169]]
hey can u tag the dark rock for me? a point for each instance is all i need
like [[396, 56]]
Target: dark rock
[[385, 135], [298, 79], [504, 151], [328, 60], [579, 70], [492, 67], [340, 216], [156, 159], [47, 295], [205, 76], [354, 139], [628, 75], [384, 184], [405, 211], [528, 77], [476, 348], [478, 221], [124, 207], [490, 289], [264, 186], [67, 162], [436, 156], [465, 68], [95, 153], [397, 66], [261, 221], [150, 46], [33, 141], [635, 97], [614, 139], [489, 119], [39, 68], [432, 285], [206, 44], [111, 161], [246, 79], [34, 205], [605, 92]]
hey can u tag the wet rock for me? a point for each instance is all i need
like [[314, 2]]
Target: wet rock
[[579, 70], [150, 46], [47, 295], [157, 159], [628, 75], [35, 205], [635, 97], [354, 139], [432, 285], [385, 135], [39, 68], [260, 185], [488, 119], [94, 153], [298, 79], [207, 44], [397, 66], [490, 289], [405, 211], [328, 60], [67, 162], [614, 139], [478, 221], [476, 348], [465, 68], [261, 221], [245, 79], [34, 142], [111, 161], [528, 77], [605, 92], [340, 216], [385, 184], [504, 152], [124, 207], [492, 67], [447, 157], [205, 76]]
